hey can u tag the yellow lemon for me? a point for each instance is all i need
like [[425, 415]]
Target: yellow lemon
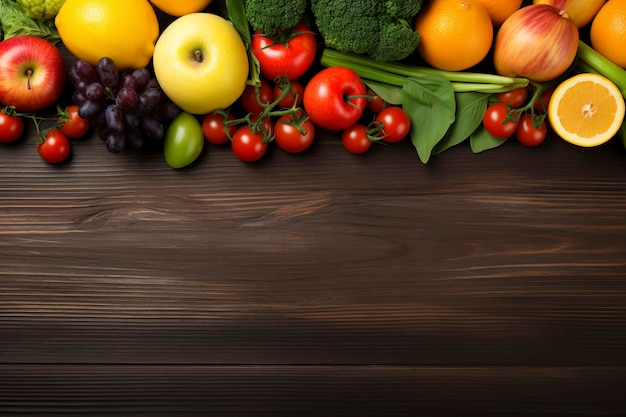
[[179, 7], [586, 110], [123, 30]]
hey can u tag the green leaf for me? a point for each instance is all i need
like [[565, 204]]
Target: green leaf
[[430, 104], [390, 93], [481, 140], [470, 108], [14, 21], [237, 15]]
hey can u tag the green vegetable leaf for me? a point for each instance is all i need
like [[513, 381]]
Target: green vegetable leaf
[[14, 21], [237, 15], [430, 104], [470, 108], [481, 140], [390, 93]]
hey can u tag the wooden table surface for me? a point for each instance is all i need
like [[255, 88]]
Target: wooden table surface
[[308, 284], [316, 284]]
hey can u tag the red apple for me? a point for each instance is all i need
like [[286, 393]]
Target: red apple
[[538, 42], [32, 73]]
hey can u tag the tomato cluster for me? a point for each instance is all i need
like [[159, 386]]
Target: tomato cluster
[[515, 114], [269, 112], [284, 109], [288, 113], [53, 142]]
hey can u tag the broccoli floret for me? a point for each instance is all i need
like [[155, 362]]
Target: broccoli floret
[[378, 28], [272, 16], [42, 10], [402, 9], [396, 41]]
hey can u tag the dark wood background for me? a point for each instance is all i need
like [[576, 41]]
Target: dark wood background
[[315, 284]]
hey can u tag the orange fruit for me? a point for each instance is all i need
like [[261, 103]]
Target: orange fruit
[[499, 10], [608, 31], [580, 11], [179, 7], [586, 109], [455, 34]]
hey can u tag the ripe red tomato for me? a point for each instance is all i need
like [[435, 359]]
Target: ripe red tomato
[[528, 134], [266, 124], [375, 104], [334, 98], [514, 98], [541, 104], [55, 148], [355, 139], [291, 59], [11, 127], [496, 123], [293, 98], [395, 122], [252, 100], [293, 135], [214, 130], [248, 146], [75, 126]]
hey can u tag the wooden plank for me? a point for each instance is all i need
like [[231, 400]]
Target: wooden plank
[[515, 257], [310, 391]]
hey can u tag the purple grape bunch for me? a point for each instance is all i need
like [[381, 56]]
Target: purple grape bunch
[[127, 108]]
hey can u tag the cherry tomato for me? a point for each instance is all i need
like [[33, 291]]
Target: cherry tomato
[[375, 104], [334, 98], [514, 98], [290, 137], [291, 59], [248, 146], [252, 99], [293, 97], [541, 104], [355, 139], [494, 121], [75, 126], [55, 148], [11, 127], [267, 124], [214, 130], [529, 135], [395, 122]]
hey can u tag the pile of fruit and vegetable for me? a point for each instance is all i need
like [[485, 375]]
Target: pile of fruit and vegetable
[[178, 77]]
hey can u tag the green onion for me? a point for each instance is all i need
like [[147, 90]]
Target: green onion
[[395, 73], [590, 60]]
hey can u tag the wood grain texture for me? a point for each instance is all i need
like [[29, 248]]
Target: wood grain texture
[[489, 284], [310, 391], [511, 257]]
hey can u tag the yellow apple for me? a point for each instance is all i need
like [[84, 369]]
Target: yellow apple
[[201, 63]]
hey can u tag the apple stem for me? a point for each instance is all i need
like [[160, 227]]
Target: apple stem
[[198, 55], [29, 73]]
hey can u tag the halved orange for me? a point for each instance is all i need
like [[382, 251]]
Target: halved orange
[[586, 110]]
